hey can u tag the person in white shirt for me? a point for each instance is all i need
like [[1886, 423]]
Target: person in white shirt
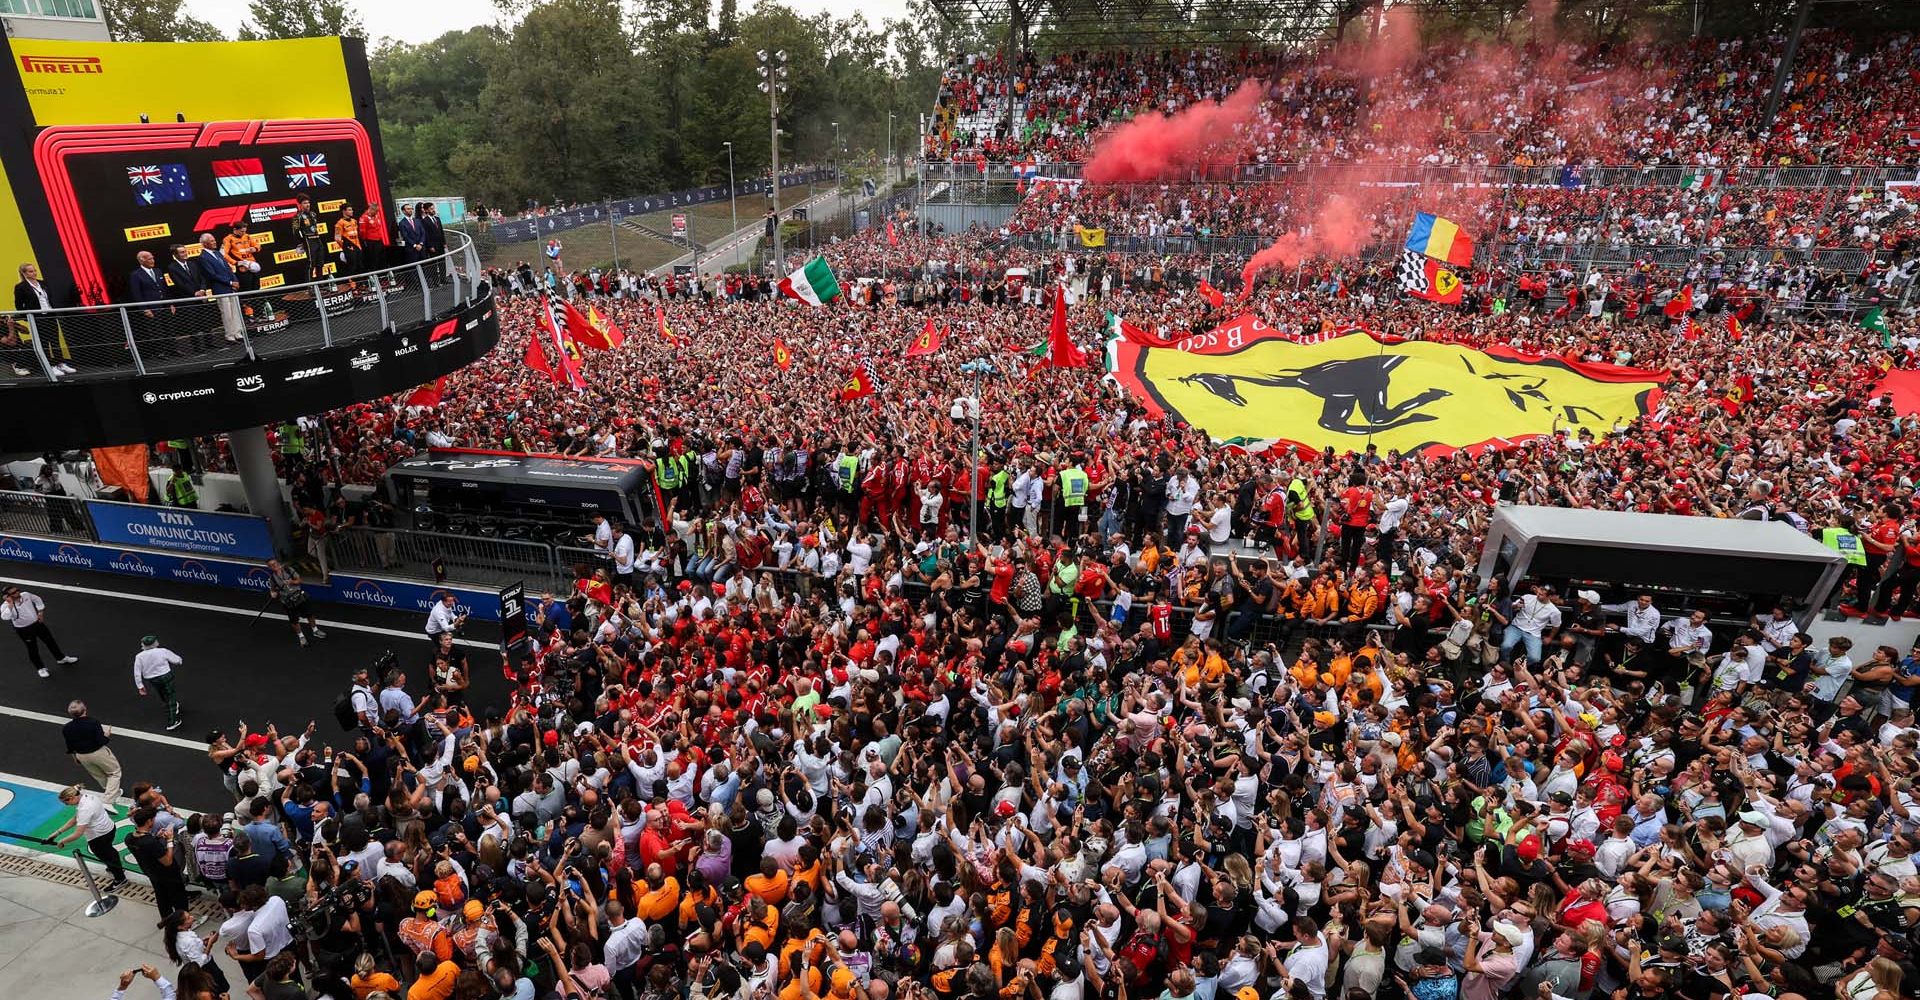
[[1307, 962], [167, 989], [1394, 512], [1533, 614], [153, 668], [27, 613], [622, 550], [1643, 619], [443, 617], [91, 821], [1183, 490]]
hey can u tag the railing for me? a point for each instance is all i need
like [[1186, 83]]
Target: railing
[[1340, 174], [447, 558], [1578, 256], [41, 514], [542, 226], [130, 340]]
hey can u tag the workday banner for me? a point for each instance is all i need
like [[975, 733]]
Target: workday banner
[[178, 529], [405, 595], [128, 562]]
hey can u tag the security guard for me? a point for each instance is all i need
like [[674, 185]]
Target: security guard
[[670, 474], [846, 476], [1839, 537], [999, 494], [1073, 495], [180, 491], [1300, 502]]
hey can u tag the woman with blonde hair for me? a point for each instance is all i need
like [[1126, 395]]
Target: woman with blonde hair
[[1879, 979]]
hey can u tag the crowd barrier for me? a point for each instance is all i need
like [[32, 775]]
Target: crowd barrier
[[543, 226], [1846, 176]]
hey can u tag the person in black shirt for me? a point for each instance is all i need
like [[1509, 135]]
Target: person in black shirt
[[157, 859], [87, 743]]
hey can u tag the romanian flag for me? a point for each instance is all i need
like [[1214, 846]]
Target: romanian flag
[[927, 343], [1440, 239], [782, 358], [600, 333]]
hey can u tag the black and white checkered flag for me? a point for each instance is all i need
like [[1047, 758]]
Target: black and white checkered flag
[[1413, 272]]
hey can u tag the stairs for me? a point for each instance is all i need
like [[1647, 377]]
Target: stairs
[[652, 233]]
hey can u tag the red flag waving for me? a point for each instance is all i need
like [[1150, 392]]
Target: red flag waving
[[1681, 304], [1059, 350], [536, 358], [560, 319], [429, 395], [927, 343], [782, 358], [893, 238], [861, 382], [1734, 330], [1214, 296], [598, 332]]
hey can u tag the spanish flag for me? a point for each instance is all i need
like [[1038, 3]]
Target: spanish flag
[[1440, 239], [782, 358]]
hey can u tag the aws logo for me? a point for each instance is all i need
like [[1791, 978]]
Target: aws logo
[[129, 562], [68, 555], [194, 571], [367, 592], [10, 548]]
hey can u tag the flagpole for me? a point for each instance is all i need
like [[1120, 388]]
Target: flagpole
[[979, 368]]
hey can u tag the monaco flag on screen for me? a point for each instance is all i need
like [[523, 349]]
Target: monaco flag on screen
[[239, 177]]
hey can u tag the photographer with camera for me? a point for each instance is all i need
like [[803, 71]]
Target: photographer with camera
[[283, 588]]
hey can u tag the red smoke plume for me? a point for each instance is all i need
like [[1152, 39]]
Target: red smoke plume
[[1154, 146], [1340, 230]]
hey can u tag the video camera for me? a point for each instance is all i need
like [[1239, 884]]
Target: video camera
[[387, 662]]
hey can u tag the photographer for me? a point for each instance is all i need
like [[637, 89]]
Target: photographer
[[283, 587]]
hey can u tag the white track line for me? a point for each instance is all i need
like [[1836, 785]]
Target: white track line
[[132, 734], [172, 603]]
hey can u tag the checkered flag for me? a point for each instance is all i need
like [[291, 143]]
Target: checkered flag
[[1412, 270]]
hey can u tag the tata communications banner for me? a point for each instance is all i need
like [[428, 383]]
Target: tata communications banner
[[341, 588], [239, 536]]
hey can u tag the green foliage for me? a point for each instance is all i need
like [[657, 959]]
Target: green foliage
[[155, 21], [300, 19], [586, 99]]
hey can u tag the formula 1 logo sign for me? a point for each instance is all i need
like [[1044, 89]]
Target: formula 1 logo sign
[[61, 64]]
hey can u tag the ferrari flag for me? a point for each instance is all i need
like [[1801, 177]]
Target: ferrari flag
[[1423, 278], [1248, 381]]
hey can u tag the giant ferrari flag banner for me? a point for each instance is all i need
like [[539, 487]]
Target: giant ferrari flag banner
[[1248, 381]]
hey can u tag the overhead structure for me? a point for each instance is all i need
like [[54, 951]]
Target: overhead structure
[[1159, 23]]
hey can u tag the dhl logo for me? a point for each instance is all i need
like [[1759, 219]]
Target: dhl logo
[[61, 64], [153, 232]]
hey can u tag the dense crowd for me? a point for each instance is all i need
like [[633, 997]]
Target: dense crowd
[[1694, 102], [1181, 719]]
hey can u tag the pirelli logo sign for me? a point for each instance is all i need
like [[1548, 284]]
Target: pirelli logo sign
[[284, 256], [330, 206], [264, 238], [273, 281], [137, 233], [60, 64]]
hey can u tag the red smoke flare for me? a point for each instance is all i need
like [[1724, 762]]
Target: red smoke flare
[[1155, 145]]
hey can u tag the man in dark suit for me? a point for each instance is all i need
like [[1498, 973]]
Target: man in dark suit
[[225, 286], [412, 241], [31, 294], [185, 281], [145, 285], [434, 240]]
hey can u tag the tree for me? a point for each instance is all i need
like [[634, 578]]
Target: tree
[[155, 21], [301, 19]]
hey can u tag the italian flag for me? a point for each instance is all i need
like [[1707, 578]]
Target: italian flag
[[813, 284], [1697, 179]]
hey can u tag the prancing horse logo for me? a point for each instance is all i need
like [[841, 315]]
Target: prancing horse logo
[[1343, 387]]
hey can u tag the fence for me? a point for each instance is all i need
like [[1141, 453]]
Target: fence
[[447, 558], [195, 332], [541, 227], [48, 516], [1335, 175]]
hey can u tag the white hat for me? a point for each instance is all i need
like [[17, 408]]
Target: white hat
[[1589, 596], [1753, 816], [1391, 739], [1512, 934]]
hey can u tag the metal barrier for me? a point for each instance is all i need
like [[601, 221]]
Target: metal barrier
[[1846, 176], [446, 558], [48, 516], [119, 341]]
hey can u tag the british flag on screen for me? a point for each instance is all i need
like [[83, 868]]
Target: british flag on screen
[[159, 183], [307, 170]]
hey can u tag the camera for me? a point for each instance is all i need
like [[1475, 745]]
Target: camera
[[387, 662]]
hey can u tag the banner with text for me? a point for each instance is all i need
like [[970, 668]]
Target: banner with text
[[178, 529]]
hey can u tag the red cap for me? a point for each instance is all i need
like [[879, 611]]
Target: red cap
[[1528, 849], [1003, 808], [1581, 848], [551, 737]]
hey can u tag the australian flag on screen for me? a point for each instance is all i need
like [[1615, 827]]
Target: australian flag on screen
[[160, 183]]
